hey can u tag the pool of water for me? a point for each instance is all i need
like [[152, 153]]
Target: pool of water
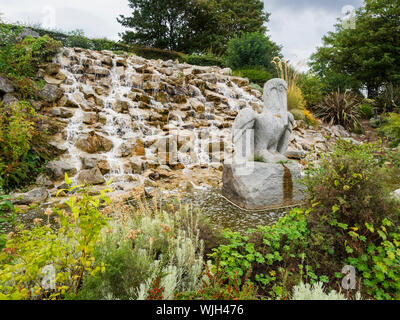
[[224, 214]]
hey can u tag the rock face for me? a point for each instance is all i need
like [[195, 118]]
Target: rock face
[[262, 186], [34, 196]]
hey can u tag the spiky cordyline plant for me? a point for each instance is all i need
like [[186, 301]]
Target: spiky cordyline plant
[[340, 108]]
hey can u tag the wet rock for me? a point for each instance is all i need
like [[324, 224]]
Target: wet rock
[[121, 62], [124, 150], [139, 148], [103, 166], [50, 93], [197, 105], [121, 106], [56, 170], [88, 92], [91, 176], [107, 61], [6, 85], [241, 82], [98, 71], [37, 195], [62, 113], [215, 97], [209, 77], [94, 143], [89, 117], [89, 162]]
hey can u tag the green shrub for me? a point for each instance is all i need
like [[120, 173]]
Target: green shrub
[[76, 38], [366, 110], [251, 49], [19, 161], [22, 144], [7, 216], [298, 114], [312, 88], [154, 53], [273, 253], [391, 128], [68, 251], [19, 60], [101, 44], [256, 75], [205, 60], [8, 36], [217, 285], [146, 247], [355, 220]]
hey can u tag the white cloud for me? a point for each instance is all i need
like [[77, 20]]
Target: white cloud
[[300, 32]]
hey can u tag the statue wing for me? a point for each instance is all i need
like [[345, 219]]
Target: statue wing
[[285, 139], [244, 121]]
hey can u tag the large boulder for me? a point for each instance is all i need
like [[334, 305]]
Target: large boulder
[[262, 186], [56, 170], [91, 176], [94, 143], [37, 195]]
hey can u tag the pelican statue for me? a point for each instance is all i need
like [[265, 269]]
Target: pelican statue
[[271, 128]]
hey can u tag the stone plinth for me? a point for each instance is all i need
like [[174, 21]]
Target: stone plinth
[[262, 186]]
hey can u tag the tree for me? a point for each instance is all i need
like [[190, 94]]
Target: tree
[[252, 50], [368, 55], [191, 25], [236, 17], [164, 24]]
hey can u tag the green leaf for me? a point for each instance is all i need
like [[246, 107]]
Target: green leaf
[[67, 180]]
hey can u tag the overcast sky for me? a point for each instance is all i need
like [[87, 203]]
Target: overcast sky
[[297, 25]]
